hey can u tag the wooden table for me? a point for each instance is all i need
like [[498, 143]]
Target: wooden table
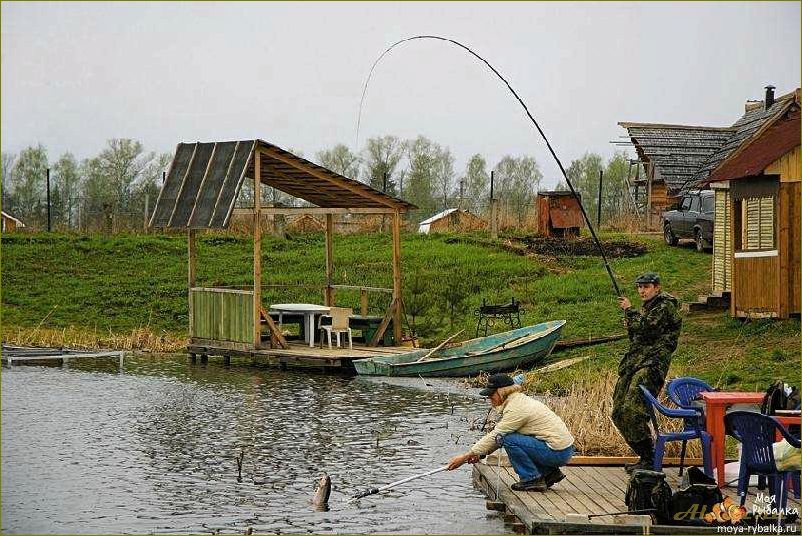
[[309, 310], [716, 403]]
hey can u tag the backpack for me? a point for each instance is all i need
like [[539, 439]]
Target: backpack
[[696, 496], [648, 490], [777, 397]]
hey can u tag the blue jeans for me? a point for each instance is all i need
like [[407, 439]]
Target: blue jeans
[[531, 457]]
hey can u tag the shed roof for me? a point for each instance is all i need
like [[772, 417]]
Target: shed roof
[[438, 216], [754, 120], [205, 179], [686, 155], [677, 151]]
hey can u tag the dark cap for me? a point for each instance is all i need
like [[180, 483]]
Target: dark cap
[[648, 277], [494, 382]]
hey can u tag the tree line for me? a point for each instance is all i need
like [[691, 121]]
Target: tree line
[[114, 190]]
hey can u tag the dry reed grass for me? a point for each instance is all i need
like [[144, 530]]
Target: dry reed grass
[[142, 339]]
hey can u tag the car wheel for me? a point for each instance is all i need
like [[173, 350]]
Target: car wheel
[[669, 237], [700, 243]]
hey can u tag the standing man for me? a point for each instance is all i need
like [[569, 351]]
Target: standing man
[[537, 441], [653, 332]]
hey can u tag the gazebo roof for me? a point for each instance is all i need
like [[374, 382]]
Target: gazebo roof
[[205, 179]]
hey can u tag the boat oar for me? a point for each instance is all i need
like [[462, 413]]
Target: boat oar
[[436, 348], [374, 491]]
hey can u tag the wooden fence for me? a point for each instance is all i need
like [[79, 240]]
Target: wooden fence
[[222, 314]]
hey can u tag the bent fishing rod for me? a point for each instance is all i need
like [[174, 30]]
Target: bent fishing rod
[[374, 491], [528, 114]]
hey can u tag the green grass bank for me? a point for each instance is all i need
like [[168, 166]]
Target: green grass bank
[[121, 284]]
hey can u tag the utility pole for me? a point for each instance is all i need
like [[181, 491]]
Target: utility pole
[[147, 211], [461, 188], [598, 210], [48, 200], [493, 229]]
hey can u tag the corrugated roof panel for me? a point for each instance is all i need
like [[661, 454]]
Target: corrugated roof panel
[[232, 183], [192, 181], [210, 188], [172, 185]]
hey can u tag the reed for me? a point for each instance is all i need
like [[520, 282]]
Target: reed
[[143, 339]]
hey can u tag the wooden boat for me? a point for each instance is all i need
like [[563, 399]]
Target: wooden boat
[[504, 351]]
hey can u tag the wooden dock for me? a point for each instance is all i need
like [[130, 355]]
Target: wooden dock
[[299, 354], [13, 355], [587, 489]]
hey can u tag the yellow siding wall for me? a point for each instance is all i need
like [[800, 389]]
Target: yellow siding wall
[[722, 243], [787, 166]]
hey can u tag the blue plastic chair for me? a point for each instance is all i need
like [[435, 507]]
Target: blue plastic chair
[[683, 392], [756, 432], [696, 432]]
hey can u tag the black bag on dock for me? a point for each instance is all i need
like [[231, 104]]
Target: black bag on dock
[[696, 496], [648, 490]]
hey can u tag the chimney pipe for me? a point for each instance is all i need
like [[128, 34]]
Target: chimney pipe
[[769, 96]]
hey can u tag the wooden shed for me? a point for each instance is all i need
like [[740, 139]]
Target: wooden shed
[[558, 214], [451, 220], [199, 193], [10, 223], [757, 228]]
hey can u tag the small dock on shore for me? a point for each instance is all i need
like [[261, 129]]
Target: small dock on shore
[[15, 355], [592, 486]]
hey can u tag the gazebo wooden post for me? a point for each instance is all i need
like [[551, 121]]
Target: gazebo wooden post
[[397, 301], [191, 254], [257, 249], [329, 297]]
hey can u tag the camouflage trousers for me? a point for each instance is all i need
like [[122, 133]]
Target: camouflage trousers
[[631, 415]]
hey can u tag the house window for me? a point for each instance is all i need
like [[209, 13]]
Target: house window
[[757, 224]]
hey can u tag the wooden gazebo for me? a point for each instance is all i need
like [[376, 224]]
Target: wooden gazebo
[[200, 191]]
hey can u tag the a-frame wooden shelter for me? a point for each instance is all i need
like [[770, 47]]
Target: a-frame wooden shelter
[[200, 191]]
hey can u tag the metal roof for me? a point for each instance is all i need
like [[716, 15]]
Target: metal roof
[[205, 179]]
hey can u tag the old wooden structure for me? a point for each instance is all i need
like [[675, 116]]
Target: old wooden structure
[[756, 249], [670, 156], [593, 486], [10, 223], [199, 193], [452, 220], [558, 214]]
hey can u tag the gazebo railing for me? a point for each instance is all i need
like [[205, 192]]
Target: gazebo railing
[[221, 314]]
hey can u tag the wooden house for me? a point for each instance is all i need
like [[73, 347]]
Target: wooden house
[[10, 223], [558, 214], [452, 220], [199, 193], [306, 223], [756, 177]]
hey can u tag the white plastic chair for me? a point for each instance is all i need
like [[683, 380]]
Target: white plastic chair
[[339, 324]]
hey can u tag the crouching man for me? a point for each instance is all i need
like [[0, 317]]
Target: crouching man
[[536, 440]]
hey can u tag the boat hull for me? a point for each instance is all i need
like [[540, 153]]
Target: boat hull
[[518, 348]]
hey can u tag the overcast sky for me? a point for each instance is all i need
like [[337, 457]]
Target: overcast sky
[[77, 74]]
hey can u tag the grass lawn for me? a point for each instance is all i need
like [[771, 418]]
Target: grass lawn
[[123, 283]]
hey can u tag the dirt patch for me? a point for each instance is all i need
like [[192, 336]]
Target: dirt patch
[[558, 247]]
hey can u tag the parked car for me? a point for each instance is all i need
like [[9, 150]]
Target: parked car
[[693, 218]]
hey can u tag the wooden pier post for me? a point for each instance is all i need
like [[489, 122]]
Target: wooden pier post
[[191, 253], [397, 299], [329, 298], [257, 248]]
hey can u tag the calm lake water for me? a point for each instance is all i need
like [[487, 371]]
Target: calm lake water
[[153, 450]]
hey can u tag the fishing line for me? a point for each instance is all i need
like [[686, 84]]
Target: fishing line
[[528, 114]]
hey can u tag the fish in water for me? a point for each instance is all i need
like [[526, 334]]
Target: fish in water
[[322, 492]]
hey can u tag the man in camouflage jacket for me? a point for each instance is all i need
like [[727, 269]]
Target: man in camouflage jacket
[[653, 332]]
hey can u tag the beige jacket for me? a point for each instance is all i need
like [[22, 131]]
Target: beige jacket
[[525, 415]]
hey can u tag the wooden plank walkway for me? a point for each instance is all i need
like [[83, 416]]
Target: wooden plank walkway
[[298, 354], [587, 489], [61, 356]]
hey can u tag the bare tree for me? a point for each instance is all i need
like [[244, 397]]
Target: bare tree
[[476, 182]]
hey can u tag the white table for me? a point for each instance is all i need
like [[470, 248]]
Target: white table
[[309, 310]]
